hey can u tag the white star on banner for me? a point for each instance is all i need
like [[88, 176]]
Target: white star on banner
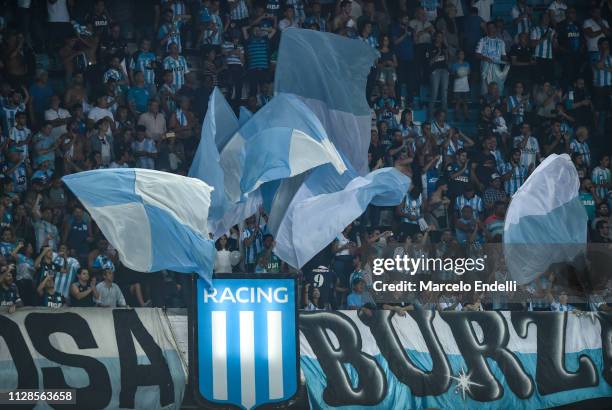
[[463, 383]]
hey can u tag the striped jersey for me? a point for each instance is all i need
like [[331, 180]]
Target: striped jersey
[[179, 68], [181, 117], [602, 77], [371, 41], [257, 53], [298, 8], [529, 153], [17, 135], [114, 74], [581, 148], [142, 61], [517, 178], [214, 37], [240, 11], [231, 57], [178, 7], [412, 206], [475, 203], [601, 177], [453, 147], [524, 24], [64, 280], [545, 48], [8, 115], [251, 252], [146, 145], [174, 28], [523, 104], [494, 48]]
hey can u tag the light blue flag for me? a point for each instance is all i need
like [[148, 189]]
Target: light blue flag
[[329, 73], [154, 219], [244, 116], [327, 214], [546, 222], [283, 139], [219, 126]]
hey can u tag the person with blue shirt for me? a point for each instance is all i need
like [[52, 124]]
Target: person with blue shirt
[[402, 38], [138, 95], [44, 145], [257, 53], [359, 297]]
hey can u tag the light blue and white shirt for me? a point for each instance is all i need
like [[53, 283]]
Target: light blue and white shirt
[[146, 145], [8, 115], [524, 24], [517, 178], [181, 117], [602, 77], [523, 105], [64, 280], [214, 37], [174, 28], [18, 135], [545, 48], [142, 62], [179, 68], [412, 206], [581, 148], [251, 252], [601, 177], [475, 203], [240, 11], [494, 48], [529, 153]]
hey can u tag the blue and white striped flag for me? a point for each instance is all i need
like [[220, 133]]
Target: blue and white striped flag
[[327, 214], [546, 222], [154, 219]]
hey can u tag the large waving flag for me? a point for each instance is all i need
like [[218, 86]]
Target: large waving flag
[[219, 126], [329, 74], [546, 223], [283, 139], [327, 214], [154, 219]]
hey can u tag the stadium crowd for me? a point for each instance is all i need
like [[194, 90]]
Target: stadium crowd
[[466, 101]]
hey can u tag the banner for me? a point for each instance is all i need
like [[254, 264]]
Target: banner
[[113, 358], [454, 360]]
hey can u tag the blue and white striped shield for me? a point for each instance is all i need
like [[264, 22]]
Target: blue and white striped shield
[[247, 341]]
